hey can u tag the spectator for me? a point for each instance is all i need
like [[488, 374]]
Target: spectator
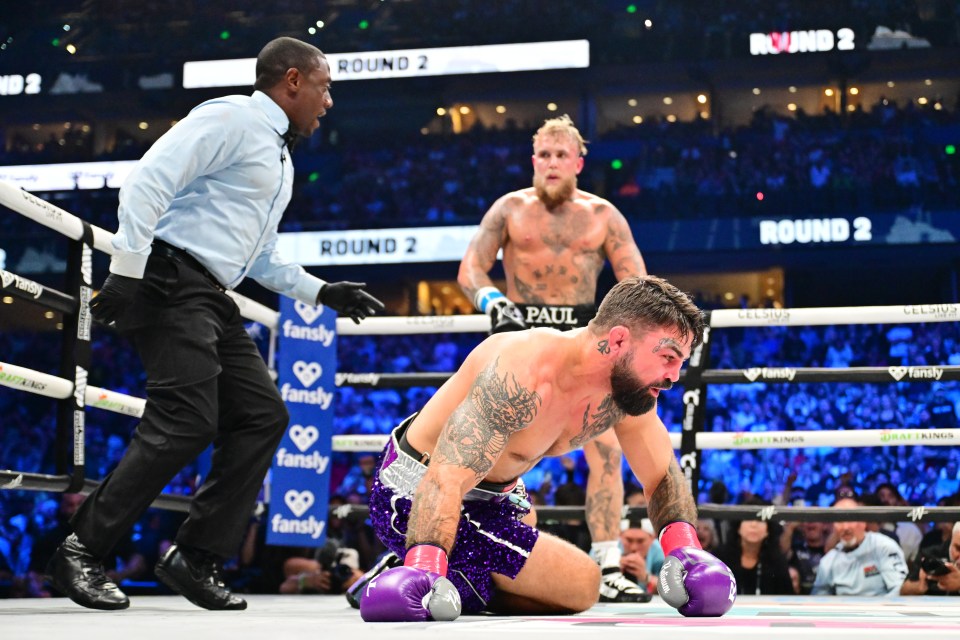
[[943, 581], [642, 556], [863, 563], [805, 545], [753, 554]]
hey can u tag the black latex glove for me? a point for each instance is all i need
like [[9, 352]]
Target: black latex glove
[[114, 298], [349, 299], [505, 316]]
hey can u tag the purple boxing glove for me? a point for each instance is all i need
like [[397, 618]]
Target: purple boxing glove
[[415, 592], [692, 580]]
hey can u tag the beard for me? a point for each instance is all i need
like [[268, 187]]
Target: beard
[[629, 394], [553, 196]]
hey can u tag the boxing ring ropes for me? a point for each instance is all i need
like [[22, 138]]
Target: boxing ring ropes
[[752, 614]]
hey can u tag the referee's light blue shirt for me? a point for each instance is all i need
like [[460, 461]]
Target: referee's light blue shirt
[[216, 185]]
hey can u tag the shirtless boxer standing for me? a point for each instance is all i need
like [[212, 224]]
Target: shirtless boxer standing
[[555, 239], [448, 496]]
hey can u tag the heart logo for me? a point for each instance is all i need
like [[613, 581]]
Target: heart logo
[[897, 372], [307, 372], [298, 501], [303, 437], [6, 277], [308, 313], [752, 373]]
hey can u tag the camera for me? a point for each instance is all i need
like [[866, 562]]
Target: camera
[[336, 559], [934, 566]]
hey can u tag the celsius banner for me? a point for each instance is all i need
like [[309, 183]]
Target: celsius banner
[[300, 475]]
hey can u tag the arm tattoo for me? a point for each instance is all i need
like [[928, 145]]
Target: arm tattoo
[[473, 438], [429, 522], [478, 431], [671, 501], [606, 416], [604, 495]]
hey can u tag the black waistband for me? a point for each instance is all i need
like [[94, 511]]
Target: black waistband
[[183, 257], [424, 459]]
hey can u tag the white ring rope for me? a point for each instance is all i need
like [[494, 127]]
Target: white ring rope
[[52, 216], [54, 387], [752, 439], [811, 316], [720, 318], [397, 325]]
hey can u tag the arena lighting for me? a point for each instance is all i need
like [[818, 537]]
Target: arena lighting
[[810, 40], [68, 176], [376, 246], [408, 63]]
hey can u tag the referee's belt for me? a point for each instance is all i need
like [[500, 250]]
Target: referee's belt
[[557, 316], [183, 257]]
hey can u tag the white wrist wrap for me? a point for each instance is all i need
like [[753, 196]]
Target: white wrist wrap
[[488, 297]]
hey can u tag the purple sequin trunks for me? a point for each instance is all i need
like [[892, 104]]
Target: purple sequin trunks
[[490, 537]]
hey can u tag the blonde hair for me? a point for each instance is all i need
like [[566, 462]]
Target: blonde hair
[[562, 126]]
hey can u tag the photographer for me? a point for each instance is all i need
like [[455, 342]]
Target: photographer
[[332, 570], [936, 572]]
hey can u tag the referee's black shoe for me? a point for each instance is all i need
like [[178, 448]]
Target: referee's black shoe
[[79, 575], [195, 574]]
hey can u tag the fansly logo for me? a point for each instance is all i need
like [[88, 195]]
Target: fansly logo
[[298, 502], [371, 379], [303, 438], [27, 286], [915, 373], [307, 373], [307, 312], [319, 396], [777, 373]]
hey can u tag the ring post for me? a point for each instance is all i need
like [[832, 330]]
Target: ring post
[[694, 410], [75, 362]]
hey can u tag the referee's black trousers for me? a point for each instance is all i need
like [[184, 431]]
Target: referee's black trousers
[[206, 383]]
